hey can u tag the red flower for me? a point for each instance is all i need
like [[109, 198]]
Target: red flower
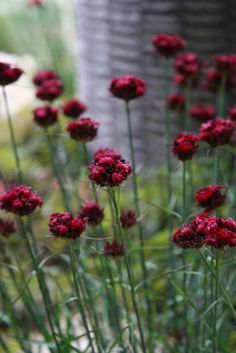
[[64, 225], [106, 171], [49, 90], [45, 116], [9, 73], [211, 197], [213, 81], [128, 219], [113, 249], [73, 108], [202, 112], [224, 63], [93, 212], [220, 232], [37, 3], [19, 199], [232, 113], [176, 102], [188, 65], [83, 130], [44, 75], [185, 146], [127, 87], [106, 152], [186, 237], [168, 44], [217, 132], [7, 227]]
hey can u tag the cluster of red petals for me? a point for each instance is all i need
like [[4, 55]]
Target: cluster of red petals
[[44, 75], [113, 249], [168, 44], [45, 116], [211, 197], [73, 108], [217, 132], [106, 171], [93, 212], [64, 225], [213, 80], [128, 219], [7, 227], [37, 3], [185, 146], [225, 63], [49, 90], [83, 130], [127, 87], [19, 199], [187, 66], [232, 113], [106, 152], [202, 112], [206, 230], [176, 102], [9, 73]]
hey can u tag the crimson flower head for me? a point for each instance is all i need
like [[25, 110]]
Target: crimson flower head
[[83, 130], [113, 249], [45, 116], [211, 197], [213, 80], [185, 237], [217, 132], [188, 65], [128, 219], [7, 227], [9, 73], [44, 75], [202, 112], [176, 102], [168, 44], [19, 199], [127, 87], [64, 225], [185, 146], [106, 152], [220, 232], [37, 3], [73, 108], [106, 171], [93, 212], [49, 90], [224, 63], [232, 113]]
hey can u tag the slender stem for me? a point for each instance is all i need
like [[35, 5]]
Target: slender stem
[[216, 164], [40, 281], [12, 135], [86, 160], [222, 98], [129, 273], [214, 322]]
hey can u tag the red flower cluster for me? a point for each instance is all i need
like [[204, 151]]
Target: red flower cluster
[[202, 112], [176, 102], [187, 67], [83, 130], [207, 230], [168, 44], [225, 63], [185, 146], [113, 249], [45, 116], [19, 199], [106, 152], [9, 73], [37, 3], [127, 87], [93, 212], [44, 75], [64, 225], [7, 227], [128, 219], [50, 90], [232, 113], [106, 171], [211, 197], [73, 108], [217, 132]]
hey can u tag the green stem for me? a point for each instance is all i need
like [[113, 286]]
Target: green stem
[[214, 322], [129, 273], [12, 135], [222, 98], [216, 164]]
